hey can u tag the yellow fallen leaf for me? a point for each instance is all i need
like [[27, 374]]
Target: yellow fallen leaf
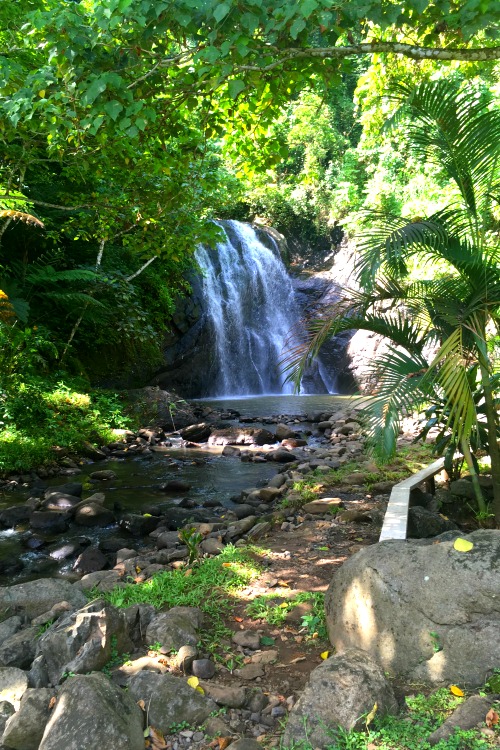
[[147, 515], [283, 605], [193, 682], [199, 689], [371, 715], [325, 654], [455, 690], [462, 545], [226, 565]]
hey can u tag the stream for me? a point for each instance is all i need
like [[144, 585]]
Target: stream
[[136, 488]]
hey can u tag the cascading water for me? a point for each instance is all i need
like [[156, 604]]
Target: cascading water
[[251, 309]]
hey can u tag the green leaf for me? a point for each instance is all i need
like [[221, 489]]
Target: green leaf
[[266, 641], [235, 87], [221, 11], [307, 7], [113, 109], [297, 26]]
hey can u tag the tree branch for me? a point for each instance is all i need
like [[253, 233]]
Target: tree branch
[[24, 199], [368, 48], [141, 269]]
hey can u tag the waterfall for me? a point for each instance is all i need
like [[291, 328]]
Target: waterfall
[[251, 309]]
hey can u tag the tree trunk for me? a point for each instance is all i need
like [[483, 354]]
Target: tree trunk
[[492, 422]]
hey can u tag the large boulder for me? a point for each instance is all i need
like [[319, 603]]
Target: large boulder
[[422, 609], [36, 597], [241, 436], [24, 730], [169, 700], [84, 640], [92, 713], [176, 628], [340, 692]]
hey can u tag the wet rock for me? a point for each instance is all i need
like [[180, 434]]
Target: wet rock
[[52, 522], [466, 716], [138, 525], [203, 668], [170, 700], [24, 730], [339, 693], [175, 485], [104, 475], [17, 514], [281, 456], [36, 597], [68, 549], [13, 685], [175, 628], [90, 561], [93, 514], [83, 641], [283, 432], [241, 436], [90, 713], [69, 488], [198, 433], [60, 501], [231, 450]]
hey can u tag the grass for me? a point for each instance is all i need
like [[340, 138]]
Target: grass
[[39, 415], [209, 585], [316, 483], [265, 608], [411, 729]]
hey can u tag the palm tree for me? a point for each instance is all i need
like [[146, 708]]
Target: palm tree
[[457, 309]]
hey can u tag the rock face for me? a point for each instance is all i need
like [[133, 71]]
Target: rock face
[[170, 700], [424, 611], [92, 713], [339, 693], [82, 642], [36, 597]]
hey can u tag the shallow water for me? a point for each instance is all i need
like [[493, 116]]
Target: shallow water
[[136, 487]]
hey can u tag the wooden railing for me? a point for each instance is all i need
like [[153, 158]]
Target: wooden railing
[[396, 515]]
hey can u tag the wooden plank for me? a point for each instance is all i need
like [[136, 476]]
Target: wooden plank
[[396, 515]]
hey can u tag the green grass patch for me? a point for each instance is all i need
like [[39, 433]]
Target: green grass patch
[[209, 585], [410, 730], [266, 608]]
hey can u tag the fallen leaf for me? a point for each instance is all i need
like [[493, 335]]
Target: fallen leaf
[[193, 682], [371, 715], [188, 572], [325, 654], [455, 690], [283, 605], [238, 619], [141, 704], [297, 659], [462, 545], [199, 689], [358, 538], [324, 549], [492, 718], [224, 742], [226, 565], [52, 702], [284, 583]]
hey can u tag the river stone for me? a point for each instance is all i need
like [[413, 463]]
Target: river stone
[[277, 481], [466, 716], [268, 494], [36, 597], [203, 668], [83, 641], [198, 433], [51, 521], [93, 514], [339, 692], [90, 561], [230, 696], [175, 628], [103, 475], [92, 713], [24, 730], [247, 639], [19, 650], [168, 540], [70, 488], [212, 546], [103, 580], [138, 525], [13, 685], [60, 501], [389, 597], [283, 432], [241, 436], [282, 456], [175, 485], [422, 523], [169, 700], [11, 517]]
